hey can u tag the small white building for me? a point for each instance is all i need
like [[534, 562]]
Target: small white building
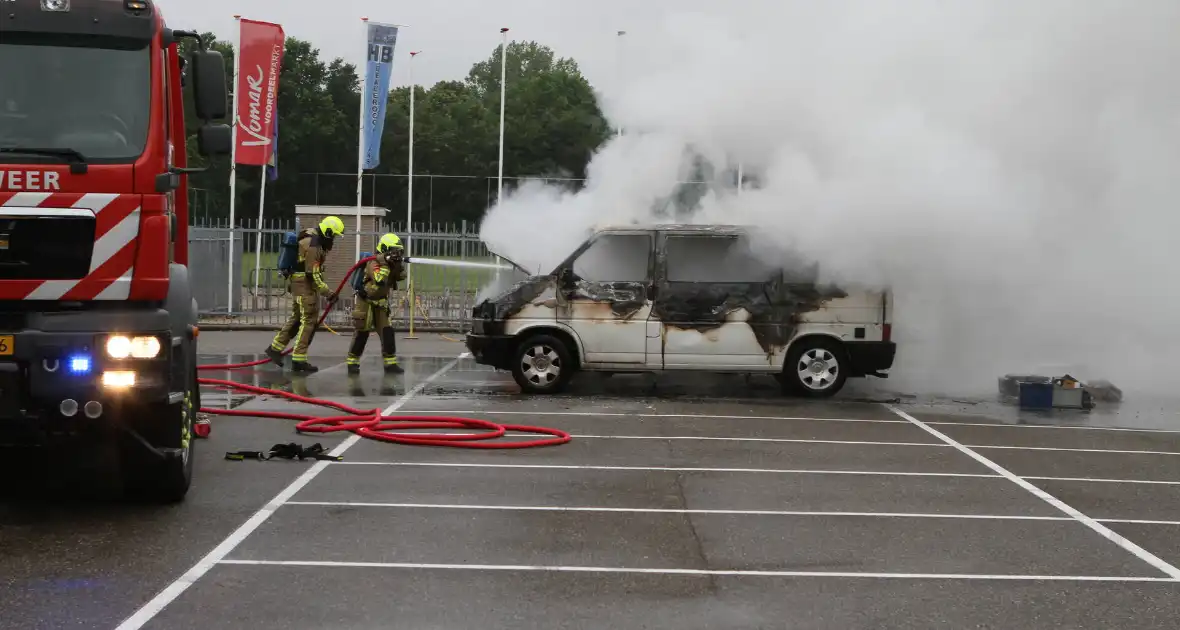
[[344, 250]]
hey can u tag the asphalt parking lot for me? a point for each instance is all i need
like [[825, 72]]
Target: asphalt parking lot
[[717, 510]]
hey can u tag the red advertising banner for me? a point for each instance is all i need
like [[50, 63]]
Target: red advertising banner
[[260, 59]]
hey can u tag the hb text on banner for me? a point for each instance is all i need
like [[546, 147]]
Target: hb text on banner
[[382, 38], [261, 61]]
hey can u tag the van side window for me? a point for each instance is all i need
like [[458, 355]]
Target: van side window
[[713, 259], [615, 258]]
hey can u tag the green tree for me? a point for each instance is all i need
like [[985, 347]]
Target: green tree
[[552, 119], [553, 126]]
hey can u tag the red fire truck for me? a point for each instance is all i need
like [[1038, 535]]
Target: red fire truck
[[98, 335]]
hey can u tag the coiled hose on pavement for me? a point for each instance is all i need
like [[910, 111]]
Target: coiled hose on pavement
[[371, 423]]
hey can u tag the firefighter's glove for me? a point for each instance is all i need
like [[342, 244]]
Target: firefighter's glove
[[333, 298]]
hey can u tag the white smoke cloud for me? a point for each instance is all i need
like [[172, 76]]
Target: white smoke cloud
[[1010, 168]]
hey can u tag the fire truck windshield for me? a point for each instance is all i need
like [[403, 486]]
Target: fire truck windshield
[[90, 95]]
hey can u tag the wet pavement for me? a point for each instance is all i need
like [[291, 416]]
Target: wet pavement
[[682, 502]]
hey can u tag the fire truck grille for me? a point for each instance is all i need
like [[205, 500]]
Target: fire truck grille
[[45, 247]]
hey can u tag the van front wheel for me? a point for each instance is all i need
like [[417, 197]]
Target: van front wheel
[[816, 367], [542, 364]]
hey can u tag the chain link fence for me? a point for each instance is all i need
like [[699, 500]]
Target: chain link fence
[[254, 295], [443, 294]]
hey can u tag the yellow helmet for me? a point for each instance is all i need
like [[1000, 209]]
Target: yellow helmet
[[388, 242], [331, 227]]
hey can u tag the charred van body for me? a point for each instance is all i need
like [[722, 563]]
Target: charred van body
[[682, 297]]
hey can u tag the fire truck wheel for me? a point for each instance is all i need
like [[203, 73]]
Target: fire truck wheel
[[147, 477]]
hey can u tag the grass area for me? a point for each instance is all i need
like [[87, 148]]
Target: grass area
[[427, 278]]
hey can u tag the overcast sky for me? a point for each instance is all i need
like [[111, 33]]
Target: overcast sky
[[453, 34]]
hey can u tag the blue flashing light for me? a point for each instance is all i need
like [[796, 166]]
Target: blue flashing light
[[79, 364]]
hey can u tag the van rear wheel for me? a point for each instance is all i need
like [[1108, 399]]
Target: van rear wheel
[[816, 367], [542, 364]]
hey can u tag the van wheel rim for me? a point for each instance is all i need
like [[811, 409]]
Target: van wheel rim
[[541, 365], [818, 369]]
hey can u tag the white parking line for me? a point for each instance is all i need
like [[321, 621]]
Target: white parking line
[[1051, 426], [998, 425], [1136, 521], [703, 572], [671, 469], [594, 414], [1071, 450], [747, 439], [149, 610], [1099, 480], [1099, 528], [864, 443], [552, 508], [549, 508], [707, 438], [779, 471]]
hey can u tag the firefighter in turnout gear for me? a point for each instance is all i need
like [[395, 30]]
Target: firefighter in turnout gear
[[306, 285], [372, 304]]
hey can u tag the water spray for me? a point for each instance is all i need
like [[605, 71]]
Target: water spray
[[441, 262]]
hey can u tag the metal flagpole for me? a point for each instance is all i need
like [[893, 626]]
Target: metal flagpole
[[233, 161], [410, 199], [619, 70], [360, 145], [258, 249], [410, 182], [503, 76], [500, 175]]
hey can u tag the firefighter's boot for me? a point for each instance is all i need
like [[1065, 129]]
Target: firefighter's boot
[[304, 367], [354, 369], [276, 356]]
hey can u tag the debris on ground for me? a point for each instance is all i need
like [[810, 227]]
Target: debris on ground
[[1104, 391], [290, 450], [1010, 383], [1031, 391]]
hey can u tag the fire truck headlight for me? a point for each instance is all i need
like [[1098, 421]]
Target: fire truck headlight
[[118, 347], [55, 5], [121, 347], [145, 347]]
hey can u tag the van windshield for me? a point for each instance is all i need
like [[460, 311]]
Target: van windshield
[[88, 94]]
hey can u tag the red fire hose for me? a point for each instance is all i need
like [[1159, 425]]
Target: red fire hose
[[371, 423]]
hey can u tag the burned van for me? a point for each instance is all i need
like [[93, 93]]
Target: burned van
[[682, 297]]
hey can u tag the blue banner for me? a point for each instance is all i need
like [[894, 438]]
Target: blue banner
[[382, 39]]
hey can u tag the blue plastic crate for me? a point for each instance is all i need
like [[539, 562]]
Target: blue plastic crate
[[1036, 395]]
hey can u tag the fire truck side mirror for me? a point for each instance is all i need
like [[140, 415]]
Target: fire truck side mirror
[[210, 94], [214, 139]]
